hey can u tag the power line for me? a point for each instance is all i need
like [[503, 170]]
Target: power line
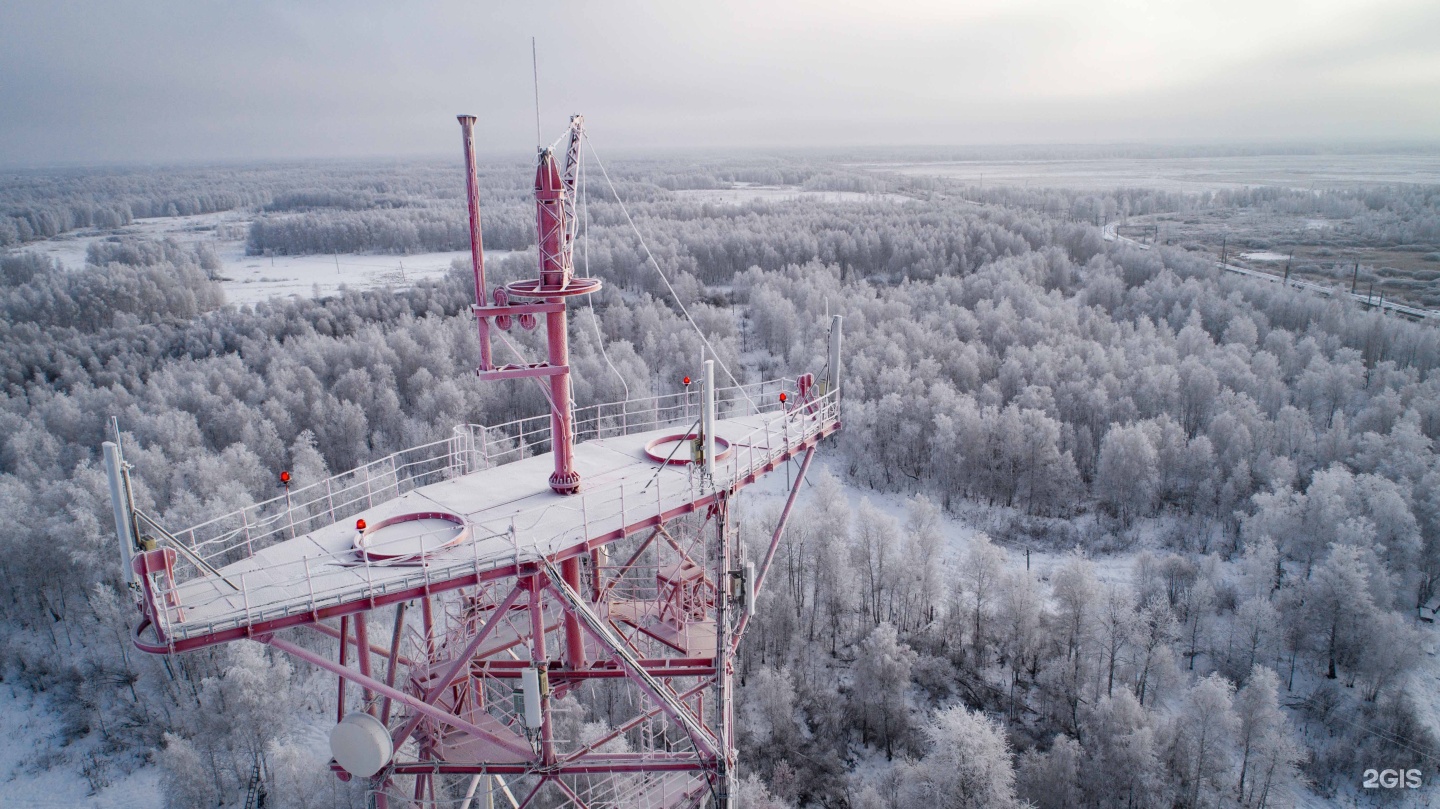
[[584, 224], [673, 294]]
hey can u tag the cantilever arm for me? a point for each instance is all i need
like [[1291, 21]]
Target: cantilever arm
[[184, 550]]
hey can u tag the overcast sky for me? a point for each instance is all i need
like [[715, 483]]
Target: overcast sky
[[121, 81]]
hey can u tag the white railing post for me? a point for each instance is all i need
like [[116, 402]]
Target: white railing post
[[245, 592], [245, 521], [786, 431], [369, 582], [515, 543], [310, 585]]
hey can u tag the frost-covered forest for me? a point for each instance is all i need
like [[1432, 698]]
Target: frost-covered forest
[[1230, 488]]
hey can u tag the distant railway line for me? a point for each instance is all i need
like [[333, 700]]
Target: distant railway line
[[1112, 234]]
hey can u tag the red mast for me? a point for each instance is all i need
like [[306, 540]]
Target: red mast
[[555, 273], [554, 218], [477, 247]]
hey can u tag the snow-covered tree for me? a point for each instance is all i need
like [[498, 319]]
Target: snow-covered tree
[[981, 572], [882, 675], [1202, 746], [967, 765], [1269, 753], [1125, 475]]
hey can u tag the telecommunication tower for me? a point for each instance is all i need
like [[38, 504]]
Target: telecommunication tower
[[616, 581]]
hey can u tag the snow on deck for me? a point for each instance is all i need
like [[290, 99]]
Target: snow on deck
[[513, 516]]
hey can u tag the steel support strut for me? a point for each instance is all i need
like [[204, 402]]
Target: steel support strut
[[539, 660], [394, 659], [420, 706], [663, 696], [774, 543], [462, 661], [477, 246], [723, 770]]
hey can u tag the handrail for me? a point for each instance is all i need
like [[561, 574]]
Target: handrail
[[781, 430], [470, 448]]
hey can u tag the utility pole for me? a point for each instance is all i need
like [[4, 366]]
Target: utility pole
[[1354, 278]]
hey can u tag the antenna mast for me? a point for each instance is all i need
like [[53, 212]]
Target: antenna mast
[[554, 214], [535, 70]]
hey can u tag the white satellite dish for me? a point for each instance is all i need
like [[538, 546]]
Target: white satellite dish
[[361, 744]]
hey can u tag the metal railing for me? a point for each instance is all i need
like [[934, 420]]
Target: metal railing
[[238, 535], [304, 585]]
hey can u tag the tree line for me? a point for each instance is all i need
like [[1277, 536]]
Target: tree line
[[1266, 458]]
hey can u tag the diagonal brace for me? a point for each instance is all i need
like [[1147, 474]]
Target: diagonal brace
[[401, 697], [666, 698], [774, 543], [626, 726], [461, 661]]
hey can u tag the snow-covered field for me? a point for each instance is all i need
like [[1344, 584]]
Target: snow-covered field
[[1264, 255], [1185, 174], [35, 771], [223, 229], [251, 279], [958, 532], [254, 278], [743, 193]]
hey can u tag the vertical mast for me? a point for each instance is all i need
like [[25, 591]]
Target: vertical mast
[[477, 248], [551, 221], [554, 224]]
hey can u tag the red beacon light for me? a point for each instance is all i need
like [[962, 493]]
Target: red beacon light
[[284, 478], [782, 397], [360, 524], [687, 381]]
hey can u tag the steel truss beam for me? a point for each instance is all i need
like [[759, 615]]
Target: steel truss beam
[[599, 629], [401, 697]]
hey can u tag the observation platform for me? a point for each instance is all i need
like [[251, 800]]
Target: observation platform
[[479, 508]]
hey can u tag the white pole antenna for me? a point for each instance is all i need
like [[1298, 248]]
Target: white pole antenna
[[535, 69]]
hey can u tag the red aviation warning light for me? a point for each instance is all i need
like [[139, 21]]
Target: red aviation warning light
[[360, 525], [284, 478]]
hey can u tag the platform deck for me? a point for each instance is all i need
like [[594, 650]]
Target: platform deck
[[514, 519]]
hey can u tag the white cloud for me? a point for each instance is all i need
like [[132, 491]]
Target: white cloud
[[174, 80]]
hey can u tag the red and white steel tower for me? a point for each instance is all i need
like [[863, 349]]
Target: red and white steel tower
[[575, 636]]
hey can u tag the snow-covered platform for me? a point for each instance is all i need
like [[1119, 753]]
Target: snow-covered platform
[[260, 570]]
